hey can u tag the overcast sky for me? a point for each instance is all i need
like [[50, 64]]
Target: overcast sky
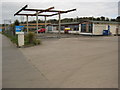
[[96, 8]]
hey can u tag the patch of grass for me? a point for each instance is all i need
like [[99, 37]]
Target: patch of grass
[[29, 39]]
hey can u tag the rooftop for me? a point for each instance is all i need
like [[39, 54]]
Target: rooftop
[[104, 22]]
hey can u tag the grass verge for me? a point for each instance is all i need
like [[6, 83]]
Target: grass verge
[[29, 39]]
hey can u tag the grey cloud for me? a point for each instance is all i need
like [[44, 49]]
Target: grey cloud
[[109, 9]]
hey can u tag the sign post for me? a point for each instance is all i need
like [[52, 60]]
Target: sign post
[[19, 31]]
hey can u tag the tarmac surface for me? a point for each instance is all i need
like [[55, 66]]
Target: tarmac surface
[[79, 62]]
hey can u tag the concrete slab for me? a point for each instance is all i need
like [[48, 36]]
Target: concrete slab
[[83, 62], [17, 72]]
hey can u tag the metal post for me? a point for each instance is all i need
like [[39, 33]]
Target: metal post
[[27, 24], [5, 25], [92, 25], [59, 24], [45, 24], [37, 21]]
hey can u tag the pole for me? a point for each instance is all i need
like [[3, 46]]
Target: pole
[[45, 24], [59, 23], [27, 24], [37, 21], [92, 26], [5, 25]]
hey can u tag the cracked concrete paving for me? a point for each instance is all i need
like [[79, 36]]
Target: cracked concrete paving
[[83, 62]]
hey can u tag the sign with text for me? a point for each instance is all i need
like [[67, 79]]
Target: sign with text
[[19, 29]]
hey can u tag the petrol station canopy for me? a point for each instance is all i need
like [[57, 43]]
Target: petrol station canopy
[[38, 13]]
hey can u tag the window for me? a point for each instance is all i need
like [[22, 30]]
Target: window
[[49, 28], [71, 27], [62, 28], [90, 28], [83, 27], [86, 28], [76, 27]]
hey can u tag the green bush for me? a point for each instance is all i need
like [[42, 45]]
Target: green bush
[[30, 39]]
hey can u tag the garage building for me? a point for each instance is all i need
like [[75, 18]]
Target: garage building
[[86, 27]]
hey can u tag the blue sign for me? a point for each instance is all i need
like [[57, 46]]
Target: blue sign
[[19, 28], [0, 30]]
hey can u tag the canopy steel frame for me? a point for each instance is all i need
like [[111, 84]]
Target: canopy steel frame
[[38, 11]]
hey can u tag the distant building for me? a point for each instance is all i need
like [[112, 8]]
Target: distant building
[[1, 28], [87, 27], [32, 26]]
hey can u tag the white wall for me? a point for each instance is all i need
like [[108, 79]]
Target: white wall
[[118, 29], [56, 31], [98, 29], [54, 28], [113, 29], [74, 32]]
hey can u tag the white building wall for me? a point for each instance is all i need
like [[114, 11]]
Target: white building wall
[[113, 29], [56, 31], [79, 28], [74, 32], [118, 29], [93, 29], [98, 29], [54, 28]]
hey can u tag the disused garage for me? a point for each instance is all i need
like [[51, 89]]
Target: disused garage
[[86, 27]]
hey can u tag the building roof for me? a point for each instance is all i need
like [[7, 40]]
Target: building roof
[[99, 22], [68, 23], [105, 22], [35, 24]]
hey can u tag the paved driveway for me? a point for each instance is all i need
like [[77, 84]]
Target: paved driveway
[[17, 71], [81, 62]]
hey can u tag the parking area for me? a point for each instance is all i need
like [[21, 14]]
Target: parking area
[[76, 61], [56, 35]]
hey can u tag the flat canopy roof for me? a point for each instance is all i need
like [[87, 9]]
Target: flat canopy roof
[[80, 22], [38, 11]]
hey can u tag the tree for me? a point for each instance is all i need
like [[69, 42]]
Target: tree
[[98, 18], [113, 19], [16, 23], [102, 18], [107, 19], [118, 19]]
